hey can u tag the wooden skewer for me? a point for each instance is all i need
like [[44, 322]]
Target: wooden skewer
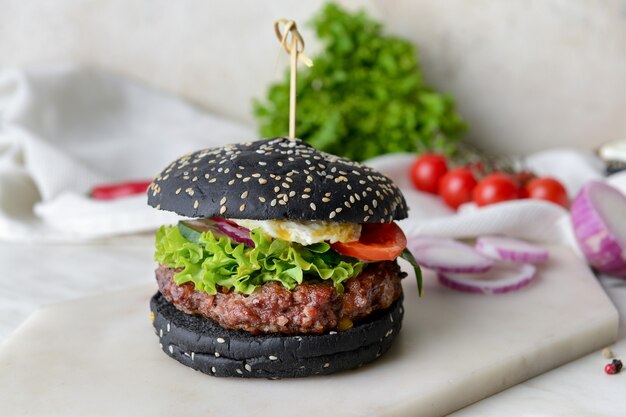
[[295, 50]]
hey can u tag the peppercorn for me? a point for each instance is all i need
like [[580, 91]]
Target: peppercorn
[[610, 368], [614, 367]]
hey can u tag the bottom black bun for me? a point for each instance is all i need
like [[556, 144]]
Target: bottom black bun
[[207, 347]]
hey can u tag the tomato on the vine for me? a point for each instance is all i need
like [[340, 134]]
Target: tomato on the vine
[[522, 179], [495, 188], [456, 187], [378, 242], [548, 189], [427, 171]]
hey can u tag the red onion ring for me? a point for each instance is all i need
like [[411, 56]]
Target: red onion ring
[[502, 278], [237, 233], [599, 220], [447, 255], [509, 249]]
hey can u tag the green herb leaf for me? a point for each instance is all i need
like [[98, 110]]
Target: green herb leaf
[[408, 256], [365, 95], [210, 261]]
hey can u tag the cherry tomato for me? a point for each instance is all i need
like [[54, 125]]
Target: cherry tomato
[[378, 242], [456, 187], [522, 178], [427, 171], [495, 188], [548, 189]]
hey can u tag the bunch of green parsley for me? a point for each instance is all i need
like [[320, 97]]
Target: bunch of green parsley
[[365, 95]]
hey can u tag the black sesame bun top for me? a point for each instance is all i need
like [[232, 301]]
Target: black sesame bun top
[[276, 179]]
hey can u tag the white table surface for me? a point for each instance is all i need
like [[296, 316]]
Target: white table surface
[[35, 275]]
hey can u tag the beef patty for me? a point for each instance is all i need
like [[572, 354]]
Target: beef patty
[[312, 307]]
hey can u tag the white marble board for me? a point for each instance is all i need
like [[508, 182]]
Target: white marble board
[[99, 355]]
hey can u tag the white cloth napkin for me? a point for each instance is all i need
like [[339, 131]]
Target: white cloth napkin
[[527, 219], [65, 129]]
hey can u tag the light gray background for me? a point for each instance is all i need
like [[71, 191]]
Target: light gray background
[[527, 74]]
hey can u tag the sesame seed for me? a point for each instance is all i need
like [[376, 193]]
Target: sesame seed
[[239, 371], [285, 185], [196, 204], [280, 163], [222, 209], [246, 179], [248, 367], [326, 365], [338, 209], [307, 190], [262, 199], [212, 180], [282, 202], [217, 354], [305, 196], [171, 349], [273, 203], [193, 354], [231, 182], [332, 215], [244, 194], [213, 369], [178, 190], [366, 207], [292, 193], [220, 340], [365, 219], [312, 205], [273, 358], [347, 204], [374, 203], [242, 207], [262, 181], [276, 189], [325, 200], [223, 201]]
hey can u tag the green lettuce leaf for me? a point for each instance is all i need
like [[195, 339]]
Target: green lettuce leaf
[[216, 261], [408, 256]]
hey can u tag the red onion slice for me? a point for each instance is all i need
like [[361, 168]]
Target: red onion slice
[[599, 220], [502, 278], [509, 249], [237, 233], [447, 255]]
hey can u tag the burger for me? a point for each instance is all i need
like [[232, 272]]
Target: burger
[[286, 264]]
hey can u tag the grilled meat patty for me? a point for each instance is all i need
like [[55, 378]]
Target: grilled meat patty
[[312, 307]]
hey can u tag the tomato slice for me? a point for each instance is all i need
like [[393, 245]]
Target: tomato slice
[[378, 242]]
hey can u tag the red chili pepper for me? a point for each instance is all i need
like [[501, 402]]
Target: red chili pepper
[[118, 190]]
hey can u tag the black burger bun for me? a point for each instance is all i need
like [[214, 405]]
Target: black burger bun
[[207, 347], [276, 179]]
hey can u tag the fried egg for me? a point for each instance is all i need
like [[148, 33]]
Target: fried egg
[[305, 232]]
